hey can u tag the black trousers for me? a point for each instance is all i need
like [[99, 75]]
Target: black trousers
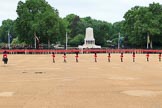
[[5, 60]]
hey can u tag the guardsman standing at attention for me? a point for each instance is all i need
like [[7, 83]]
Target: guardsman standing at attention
[[109, 56], [160, 57], [76, 56], [5, 58], [133, 56], [121, 57], [95, 56], [64, 56], [53, 56], [147, 56]]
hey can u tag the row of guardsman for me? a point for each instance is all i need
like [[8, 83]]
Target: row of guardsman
[[5, 58], [61, 51], [108, 57]]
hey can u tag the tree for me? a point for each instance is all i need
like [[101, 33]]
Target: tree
[[76, 26], [117, 28], [36, 18], [77, 40], [102, 32], [7, 27], [72, 21], [141, 22]]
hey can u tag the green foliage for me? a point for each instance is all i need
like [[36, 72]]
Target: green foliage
[[37, 17], [76, 26], [72, 22], [15, 41], [7, 27], [116, 29], [77, 40], [143, 21], [3, 45]]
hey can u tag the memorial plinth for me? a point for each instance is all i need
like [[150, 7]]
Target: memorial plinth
[[89, 41]]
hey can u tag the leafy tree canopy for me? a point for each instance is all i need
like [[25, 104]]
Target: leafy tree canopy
[[37, 18]]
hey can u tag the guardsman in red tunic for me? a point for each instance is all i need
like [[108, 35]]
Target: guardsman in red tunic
[[53, 56], [95, 56], [147, 56], [133, 56], [64, 56], [76, 56], [121, 57], [109, 56], [160, 57], [5, 58]]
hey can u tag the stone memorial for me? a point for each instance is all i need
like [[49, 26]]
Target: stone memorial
[[89, 41]]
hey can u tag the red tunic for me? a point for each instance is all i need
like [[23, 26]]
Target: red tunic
[[109, 55], [64, 56], [121, 55], [53, 55], [147, 55], [4, 55], [76, 56]]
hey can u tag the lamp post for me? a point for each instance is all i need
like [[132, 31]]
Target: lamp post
[[66, 40], [119, 41], [9, 46]]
